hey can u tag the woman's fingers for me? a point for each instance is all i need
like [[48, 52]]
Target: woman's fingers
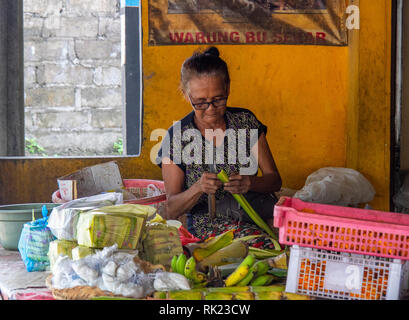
[[235, 180], [210, 183], [237, 184], [235, 189]]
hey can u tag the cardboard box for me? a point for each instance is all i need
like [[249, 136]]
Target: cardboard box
[[90, 181]]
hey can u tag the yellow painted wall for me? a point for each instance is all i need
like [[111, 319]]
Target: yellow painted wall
[[374, 97], [324, 106]]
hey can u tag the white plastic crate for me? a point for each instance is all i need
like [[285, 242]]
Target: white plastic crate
[[345, 276]]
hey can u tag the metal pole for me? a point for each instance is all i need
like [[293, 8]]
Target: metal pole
[[398, 102], [11, 78], [131, 34], [3, 78]]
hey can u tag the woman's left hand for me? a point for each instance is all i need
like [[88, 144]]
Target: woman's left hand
[[238, 184]]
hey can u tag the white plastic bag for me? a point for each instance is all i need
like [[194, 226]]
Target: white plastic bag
[[63, 219], [169, 281], [153, 191], [107, 269], [401, 199], [336, 186]]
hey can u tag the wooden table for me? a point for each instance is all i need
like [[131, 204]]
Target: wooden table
[[16, 283]]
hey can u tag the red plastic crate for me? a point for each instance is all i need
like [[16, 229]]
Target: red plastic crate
[[344, 229]]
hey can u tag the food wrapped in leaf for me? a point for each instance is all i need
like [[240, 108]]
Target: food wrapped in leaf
[[63, 219], [80, 252], [161, 242], [60, 247]]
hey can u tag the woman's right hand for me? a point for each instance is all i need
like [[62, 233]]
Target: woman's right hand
[[209, 183]]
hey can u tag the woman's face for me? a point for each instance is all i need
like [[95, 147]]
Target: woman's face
[[207, 89]]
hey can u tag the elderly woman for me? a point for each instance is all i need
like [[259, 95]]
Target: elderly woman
[[227, 132]]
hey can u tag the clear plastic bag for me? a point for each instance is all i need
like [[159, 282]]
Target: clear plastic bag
[[169, 281], [153, 191], [336, 186], [401, 199], [109, 269], [120, 224], [63, 219]]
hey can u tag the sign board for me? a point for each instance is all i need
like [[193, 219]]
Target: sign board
[[306, 22]]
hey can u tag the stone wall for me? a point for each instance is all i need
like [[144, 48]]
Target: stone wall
[[72, 53]]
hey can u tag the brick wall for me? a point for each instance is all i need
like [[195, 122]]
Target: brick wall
[[72, 53]]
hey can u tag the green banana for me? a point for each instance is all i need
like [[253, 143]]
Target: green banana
[[191, 273], [246, 280], [180, 264], [279, 273], [241, 271], [200, 285], [190, 267], [263, 280], [173, 263], [261, 267], [258, 269]]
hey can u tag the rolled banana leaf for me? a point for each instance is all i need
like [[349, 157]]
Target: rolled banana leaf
[[234, 252], [203, 249]]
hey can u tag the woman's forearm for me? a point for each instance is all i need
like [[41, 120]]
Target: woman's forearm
[[179, 204], [270, 182]]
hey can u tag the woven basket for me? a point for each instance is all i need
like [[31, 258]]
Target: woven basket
[[77, 293], [87, 292]]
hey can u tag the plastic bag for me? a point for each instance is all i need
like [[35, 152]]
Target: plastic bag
[[153, 191], [108, 269], [186, 237], [336, 186], [170, 281], [63, 219], [401, 199], [120, 224], [34, 243]]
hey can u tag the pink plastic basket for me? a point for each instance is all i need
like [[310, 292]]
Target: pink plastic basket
[[140, 189], [344, 229]]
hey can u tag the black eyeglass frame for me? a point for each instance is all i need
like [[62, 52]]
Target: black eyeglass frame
[[194, 105]]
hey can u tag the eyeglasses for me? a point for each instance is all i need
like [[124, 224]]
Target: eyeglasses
[[219, 102]]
